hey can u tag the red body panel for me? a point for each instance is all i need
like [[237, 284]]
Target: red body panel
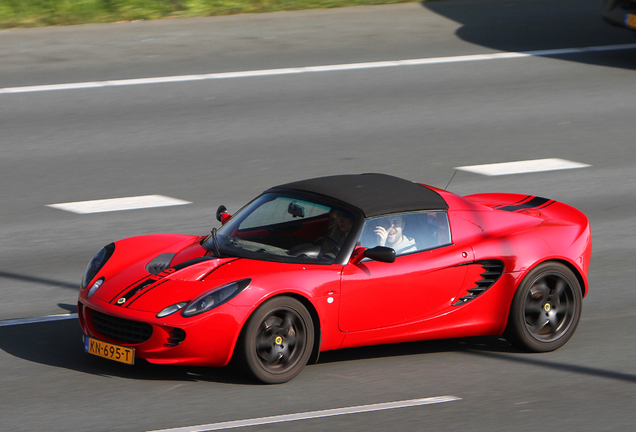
[[361, 303], [380, 295], [553, 231]]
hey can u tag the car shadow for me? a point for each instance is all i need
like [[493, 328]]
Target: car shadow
[[68, 307], [483, 343], [535, 25], [59, 344]]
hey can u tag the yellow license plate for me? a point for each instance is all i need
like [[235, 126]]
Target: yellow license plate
[[109, 351], [630, 20]]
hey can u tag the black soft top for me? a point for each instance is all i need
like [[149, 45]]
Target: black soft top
[[374, 194]]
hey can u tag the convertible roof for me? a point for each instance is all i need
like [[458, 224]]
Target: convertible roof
[[374, 194]]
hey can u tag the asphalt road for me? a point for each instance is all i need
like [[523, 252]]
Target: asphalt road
[[224, 141]]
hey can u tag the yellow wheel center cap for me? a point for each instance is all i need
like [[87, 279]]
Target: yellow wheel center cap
[[278, 340], [547, 307]]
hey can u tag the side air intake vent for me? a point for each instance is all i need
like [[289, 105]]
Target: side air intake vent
[[493, 269], [176, 336], [159, 263]]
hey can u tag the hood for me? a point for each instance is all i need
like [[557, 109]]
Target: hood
[[155, 292], [175, 284], [136, 259]]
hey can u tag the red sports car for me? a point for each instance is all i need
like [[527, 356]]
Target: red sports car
[[338, 262]]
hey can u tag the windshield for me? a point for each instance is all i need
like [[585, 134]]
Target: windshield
[[287, 228]]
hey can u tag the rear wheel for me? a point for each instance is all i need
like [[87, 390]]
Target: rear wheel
[[277, 340], [546, 309]]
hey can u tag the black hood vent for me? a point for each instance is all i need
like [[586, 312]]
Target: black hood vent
[[159, 263], [493, 269]]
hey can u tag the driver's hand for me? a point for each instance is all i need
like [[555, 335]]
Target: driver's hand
[[382, 234]]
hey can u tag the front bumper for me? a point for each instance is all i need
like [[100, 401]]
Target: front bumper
[[207, 341]]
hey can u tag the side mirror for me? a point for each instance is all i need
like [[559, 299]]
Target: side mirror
[[222, 215], [378, 253]]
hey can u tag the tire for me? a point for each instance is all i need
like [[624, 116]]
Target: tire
[[546, 309], [277, 341]]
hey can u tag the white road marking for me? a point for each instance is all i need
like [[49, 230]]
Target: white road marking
[[119, 204], [520, 167], [313, 414], [13, 322], [306, 69]]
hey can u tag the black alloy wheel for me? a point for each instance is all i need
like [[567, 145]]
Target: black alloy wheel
[[546, 309], [277, 340]]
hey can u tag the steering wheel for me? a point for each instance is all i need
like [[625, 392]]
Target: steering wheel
[[330, 241]]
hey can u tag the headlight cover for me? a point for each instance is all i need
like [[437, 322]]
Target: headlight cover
[[171, 309], [214, 298], [97, 263], [95, 287]]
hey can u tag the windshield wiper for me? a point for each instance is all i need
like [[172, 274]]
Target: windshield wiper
[[215, 243]]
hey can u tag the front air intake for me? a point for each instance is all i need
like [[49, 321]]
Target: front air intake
[[175, 337], [119, 329]]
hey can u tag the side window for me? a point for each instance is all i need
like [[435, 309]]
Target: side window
[[407, 232]]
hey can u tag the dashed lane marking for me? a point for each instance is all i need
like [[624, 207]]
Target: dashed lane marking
[[119, 204], [522, 167], [306, 69], [14, 322], [313, 414]]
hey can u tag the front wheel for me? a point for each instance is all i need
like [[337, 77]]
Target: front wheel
[[546, 309], [277, 340]]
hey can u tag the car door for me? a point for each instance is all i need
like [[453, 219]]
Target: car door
[[377, 295]]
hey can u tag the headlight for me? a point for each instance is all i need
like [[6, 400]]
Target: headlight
[[215, 298], [94, 287], [171, 309], [97, 263]]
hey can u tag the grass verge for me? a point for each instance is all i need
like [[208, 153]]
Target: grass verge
[[38, 13]]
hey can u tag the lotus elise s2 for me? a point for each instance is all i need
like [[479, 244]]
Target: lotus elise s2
[[335, 262]]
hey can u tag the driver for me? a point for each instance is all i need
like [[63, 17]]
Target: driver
[[389, 232], [340, 226]]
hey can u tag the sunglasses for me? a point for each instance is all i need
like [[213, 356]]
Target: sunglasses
[[388, 223]]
